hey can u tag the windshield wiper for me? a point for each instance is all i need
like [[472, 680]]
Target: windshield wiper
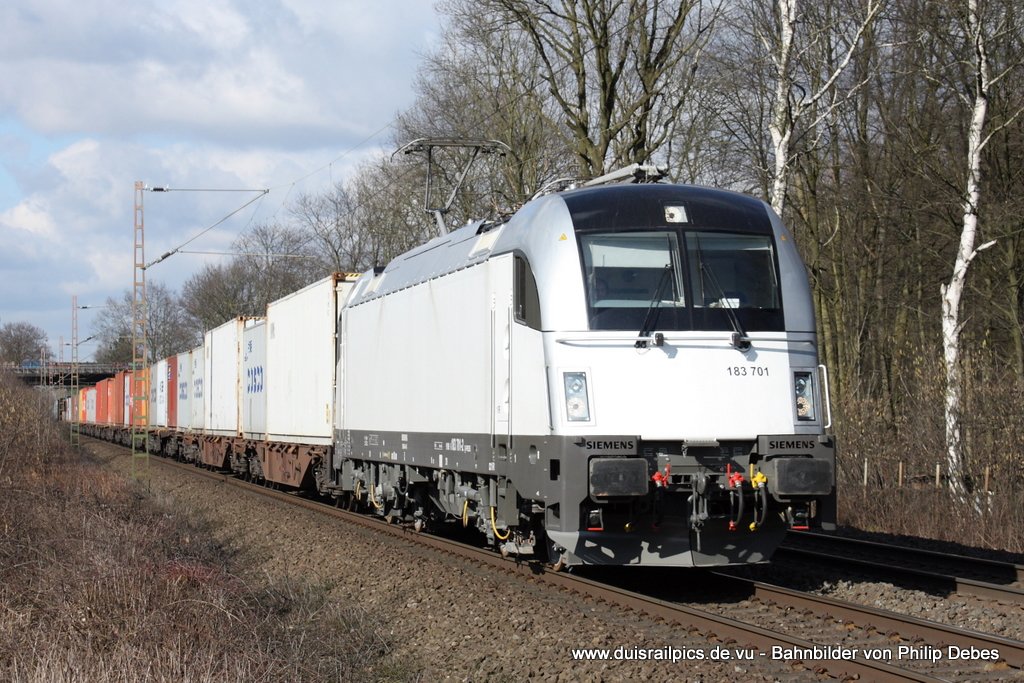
[[653, 312], [739, 337]]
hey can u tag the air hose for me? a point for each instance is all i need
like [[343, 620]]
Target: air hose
[[369, 496], [735, 498], [494, 528], [760, 484]]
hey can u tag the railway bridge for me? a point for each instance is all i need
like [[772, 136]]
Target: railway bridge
[[40, 374]]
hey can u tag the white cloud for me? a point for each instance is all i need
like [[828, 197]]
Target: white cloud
[[284, 74], [185, 93], [29, 216]]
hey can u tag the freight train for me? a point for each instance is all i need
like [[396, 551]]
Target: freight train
[[616, 374]]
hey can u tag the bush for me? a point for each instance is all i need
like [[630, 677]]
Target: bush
[[879, 437], [100, 582]]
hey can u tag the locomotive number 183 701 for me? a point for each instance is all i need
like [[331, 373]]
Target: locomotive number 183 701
[[747, 371]]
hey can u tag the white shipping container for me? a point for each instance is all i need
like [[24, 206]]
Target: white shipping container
[[223, 377], [197, 398], [159, 379], [151, 408], [127, 398], [301, 362], [254, 395], [184, 390], [90, 405]]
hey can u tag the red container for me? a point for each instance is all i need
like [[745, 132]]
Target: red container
[[172, 392]]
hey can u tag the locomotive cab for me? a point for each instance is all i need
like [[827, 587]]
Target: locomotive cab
[[686, 385]]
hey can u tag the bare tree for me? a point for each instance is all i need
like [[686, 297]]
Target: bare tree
[[484, 82], [334, 231], [796, 89], [978, 32], [218, 293], [279, 259], [269, 261], [21, 341], [389, 209], [618, 71], [168, 328]]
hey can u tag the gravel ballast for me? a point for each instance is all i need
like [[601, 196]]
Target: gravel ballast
[[449, 619]]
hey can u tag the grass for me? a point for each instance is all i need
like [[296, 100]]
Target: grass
[[102, 582]]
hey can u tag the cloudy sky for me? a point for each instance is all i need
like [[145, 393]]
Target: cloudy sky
[[286, 95]]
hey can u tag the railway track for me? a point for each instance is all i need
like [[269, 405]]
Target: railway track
[[915, 644], [799, 634], [969, 576]]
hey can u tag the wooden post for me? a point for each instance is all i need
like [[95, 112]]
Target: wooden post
[[865, 473], [938, 475], [899, 477]]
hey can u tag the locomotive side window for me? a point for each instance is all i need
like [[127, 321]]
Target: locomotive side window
[[526, 299]]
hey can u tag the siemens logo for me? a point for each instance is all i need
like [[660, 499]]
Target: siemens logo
[[606, 445], [795, 445]]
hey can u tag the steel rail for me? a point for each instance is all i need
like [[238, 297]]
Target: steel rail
[[909, 627], [950, 580], [996, 568]]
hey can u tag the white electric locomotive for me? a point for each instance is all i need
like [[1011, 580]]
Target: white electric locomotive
[[619, 374]]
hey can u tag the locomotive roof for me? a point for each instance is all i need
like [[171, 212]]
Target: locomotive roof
[[643, 206], [604, 207]]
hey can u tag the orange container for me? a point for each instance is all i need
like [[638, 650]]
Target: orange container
[[102, 401], [116, 405], [142, 389]]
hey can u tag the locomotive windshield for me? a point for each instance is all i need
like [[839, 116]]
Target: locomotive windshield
[[696, 279]]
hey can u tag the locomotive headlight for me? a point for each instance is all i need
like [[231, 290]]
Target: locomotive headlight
[[803, 386], [577, 402]]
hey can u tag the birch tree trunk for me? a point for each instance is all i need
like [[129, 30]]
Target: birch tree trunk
[[786, 112], [781, 125], [952, 292]]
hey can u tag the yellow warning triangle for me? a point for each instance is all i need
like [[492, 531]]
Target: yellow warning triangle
[[562, 238]]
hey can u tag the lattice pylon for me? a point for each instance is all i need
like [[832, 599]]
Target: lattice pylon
[[140, 347], [75, 420]]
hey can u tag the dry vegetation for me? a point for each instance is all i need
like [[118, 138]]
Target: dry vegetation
[[883, 435], [99, 582]]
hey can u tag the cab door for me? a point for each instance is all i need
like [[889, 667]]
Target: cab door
[[500, 279]]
